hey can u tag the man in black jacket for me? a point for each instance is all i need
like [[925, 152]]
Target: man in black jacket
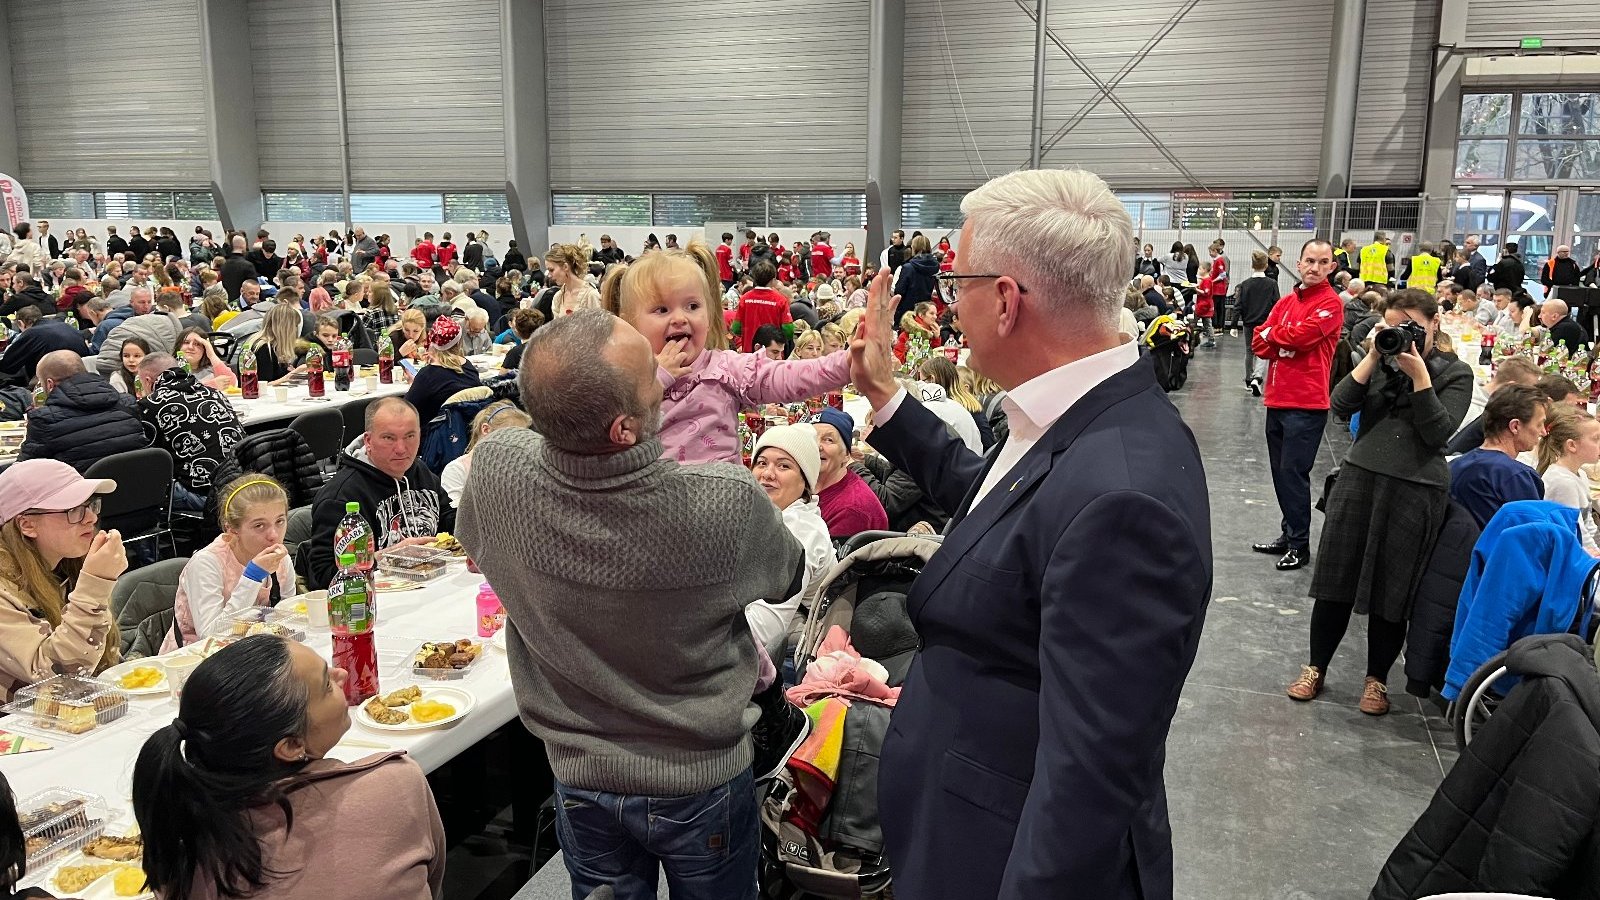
[[268, 263], [1257, 295], [83, 420], [236, 269], [137, 245], [38, 339], [400, 498], [1560, 270], [1509, 272], [27, 292], [115, 243], [1564, 330], [1517, 812]]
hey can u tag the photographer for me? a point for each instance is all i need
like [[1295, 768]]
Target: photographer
[[1390, 499]]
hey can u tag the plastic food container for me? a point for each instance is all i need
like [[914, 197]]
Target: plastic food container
[[58, 822], [420, 564], [259, 620], [444, 660], [70, 704]]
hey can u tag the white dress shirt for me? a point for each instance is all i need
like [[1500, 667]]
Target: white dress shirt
[[1037, 404]]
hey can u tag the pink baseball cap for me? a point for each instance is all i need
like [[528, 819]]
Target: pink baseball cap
[[47, 484]]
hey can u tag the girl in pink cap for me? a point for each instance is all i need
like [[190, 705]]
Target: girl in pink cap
[[56, 575]]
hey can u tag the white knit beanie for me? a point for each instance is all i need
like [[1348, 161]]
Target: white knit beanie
[[800, 442]]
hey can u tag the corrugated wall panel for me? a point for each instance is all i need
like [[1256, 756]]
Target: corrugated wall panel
[[297, 118], [687, 95], [108, 96], [423, 92], [1396, 69], [1561, 23], [1234, 92]]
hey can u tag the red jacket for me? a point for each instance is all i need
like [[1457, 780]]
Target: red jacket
[[447, 255], [1298, 341], [725, 262], [425, 254], [1205, 305], [1219, 276], [760, 306], [821, 259]]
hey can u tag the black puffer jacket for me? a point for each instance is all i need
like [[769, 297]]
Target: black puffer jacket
[[1433, 613], [1517, 813], [286, 456], [918, 277], [84, 420]]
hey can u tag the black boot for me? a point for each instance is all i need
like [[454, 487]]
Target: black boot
[[781, 728]]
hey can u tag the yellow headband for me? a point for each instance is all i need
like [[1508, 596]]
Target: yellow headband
[[235, 492]]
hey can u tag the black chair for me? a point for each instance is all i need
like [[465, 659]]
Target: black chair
[[140, 506], [225, 344], [364, 356], [355, 419], [323, 429]]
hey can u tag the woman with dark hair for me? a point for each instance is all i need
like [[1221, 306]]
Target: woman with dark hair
[[235, 797], [1389, 502], [1191, 269]]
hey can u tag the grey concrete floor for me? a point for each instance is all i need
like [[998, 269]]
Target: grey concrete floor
[[1272, 799]]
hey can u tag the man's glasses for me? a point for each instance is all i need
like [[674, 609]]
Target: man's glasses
[[75, 515], [951, 283]]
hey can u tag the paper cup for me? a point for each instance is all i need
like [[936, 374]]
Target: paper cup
[[280, 394], [179, 668], [372, 383], [317, 609]]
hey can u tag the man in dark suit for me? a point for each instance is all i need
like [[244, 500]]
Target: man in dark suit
[[1059, 619], [236, 269]]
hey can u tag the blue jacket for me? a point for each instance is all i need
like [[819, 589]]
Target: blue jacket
[[1527, 577], [113, 319], [1058, 622]]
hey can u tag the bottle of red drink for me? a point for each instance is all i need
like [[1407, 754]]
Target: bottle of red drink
[[249, 384], [386, 361], [354, 536], [350, 617], [341, 351], [315, 383]]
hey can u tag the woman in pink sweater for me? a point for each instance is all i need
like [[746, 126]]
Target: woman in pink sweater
[[235, 797], [671, 297]]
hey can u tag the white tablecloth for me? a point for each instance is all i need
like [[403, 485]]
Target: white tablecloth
[[102, 763], [268, 409]]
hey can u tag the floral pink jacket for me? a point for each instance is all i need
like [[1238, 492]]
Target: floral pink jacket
[[700, 409]]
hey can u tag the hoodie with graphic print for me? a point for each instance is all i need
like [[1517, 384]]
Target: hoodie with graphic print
[[414, 505]]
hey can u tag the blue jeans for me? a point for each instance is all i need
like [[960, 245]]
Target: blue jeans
[[709, 843]]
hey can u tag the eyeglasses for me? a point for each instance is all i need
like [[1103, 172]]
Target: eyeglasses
[[75, 515], [951, 283]]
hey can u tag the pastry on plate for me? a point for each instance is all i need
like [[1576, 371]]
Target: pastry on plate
[[403, 696], [119, 849], [383, 715]]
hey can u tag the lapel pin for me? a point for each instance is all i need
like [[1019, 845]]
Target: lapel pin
[[1014, 485]]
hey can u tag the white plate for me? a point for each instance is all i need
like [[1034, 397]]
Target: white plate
[[461, 700], [111, 675], [499, 640]]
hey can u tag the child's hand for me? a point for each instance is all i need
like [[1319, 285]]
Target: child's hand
[[674, 357]]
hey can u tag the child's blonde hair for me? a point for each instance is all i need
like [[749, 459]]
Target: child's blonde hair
[[627, 286], [246, 491], [806, 339], [1563, 423], [494, 417]]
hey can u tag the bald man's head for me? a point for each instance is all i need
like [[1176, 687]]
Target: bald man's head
[[57, 366], [1552, 312]]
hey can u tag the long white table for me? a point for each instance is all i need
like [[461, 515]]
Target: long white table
[[267, 408], [102, 762]]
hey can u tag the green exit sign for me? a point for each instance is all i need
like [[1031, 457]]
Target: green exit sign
[[1532, 43]]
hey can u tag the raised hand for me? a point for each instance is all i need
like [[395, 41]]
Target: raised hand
[[107, 558], [872, 364]]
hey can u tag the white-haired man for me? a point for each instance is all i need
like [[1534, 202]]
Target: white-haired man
[[1024, 758]]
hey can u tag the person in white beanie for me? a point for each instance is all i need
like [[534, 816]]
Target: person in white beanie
[[787, 463]]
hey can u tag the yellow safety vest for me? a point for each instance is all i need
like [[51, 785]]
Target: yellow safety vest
[[1424, 272], [1375, 264]]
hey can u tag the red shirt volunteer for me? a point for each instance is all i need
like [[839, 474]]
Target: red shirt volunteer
[[760, 306], [1298, 341]]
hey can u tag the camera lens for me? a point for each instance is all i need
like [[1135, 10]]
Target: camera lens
[[1392, 341]]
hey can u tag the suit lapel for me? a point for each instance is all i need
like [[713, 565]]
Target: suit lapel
[[970, 525], [966, 502]]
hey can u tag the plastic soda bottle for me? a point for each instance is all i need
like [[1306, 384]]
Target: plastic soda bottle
[[315, 383], [354, 536], [249, 384], [386, 360], [350, 616]]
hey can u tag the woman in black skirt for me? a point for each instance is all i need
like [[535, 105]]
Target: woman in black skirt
[[1389, 502]]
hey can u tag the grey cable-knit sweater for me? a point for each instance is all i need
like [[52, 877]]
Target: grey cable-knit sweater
[[625, 579]]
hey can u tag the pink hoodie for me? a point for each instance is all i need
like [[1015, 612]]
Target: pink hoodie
[[700, 410]]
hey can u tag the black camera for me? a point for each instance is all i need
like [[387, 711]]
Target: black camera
[[1395, 340]]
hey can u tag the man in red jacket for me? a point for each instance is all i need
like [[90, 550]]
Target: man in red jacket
[[1298, 341], [761, 305]]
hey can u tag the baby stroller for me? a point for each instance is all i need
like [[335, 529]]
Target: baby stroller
[[1168, 340], [820, 834]]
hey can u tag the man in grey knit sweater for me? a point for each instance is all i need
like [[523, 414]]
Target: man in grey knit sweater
[[625, 577]]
